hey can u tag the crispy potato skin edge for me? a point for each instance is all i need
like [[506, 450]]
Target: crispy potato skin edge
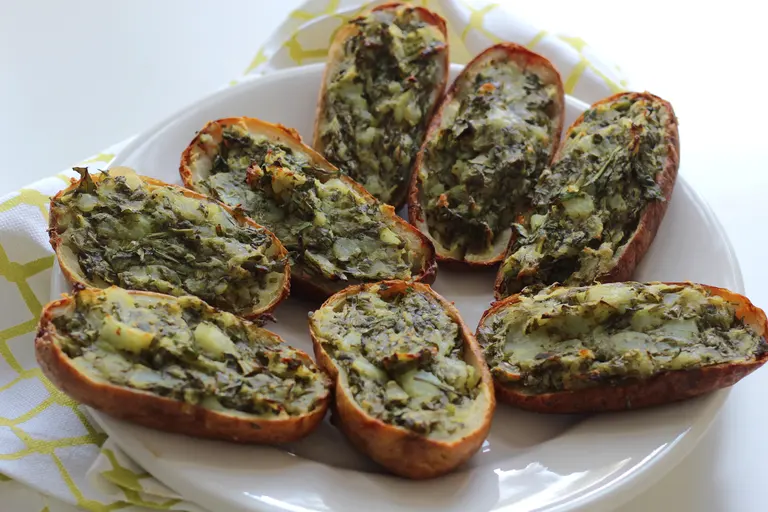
[[399, 450], [666, 387], [303, 284], [75, 279], [525, 59], [156, 412], [336, 54], [633, 251]]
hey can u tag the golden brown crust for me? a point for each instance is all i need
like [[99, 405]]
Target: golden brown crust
[[336, 54], [303, 284], [526, 60], [666, 387], [633, 251], [69, 266], [156, 412], [402, 451]]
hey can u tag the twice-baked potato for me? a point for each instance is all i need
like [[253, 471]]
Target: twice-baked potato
[[412, 390], [385, 74], [337, 234], [494, 133], [119, 228], [176, 364], [597, 209], [619, 346]]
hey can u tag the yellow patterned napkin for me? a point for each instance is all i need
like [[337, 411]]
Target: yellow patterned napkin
[[47, 442]]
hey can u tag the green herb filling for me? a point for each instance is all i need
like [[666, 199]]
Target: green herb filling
[[184, 350], [588, 205], [575, 338], [379, 98], [403, 358]]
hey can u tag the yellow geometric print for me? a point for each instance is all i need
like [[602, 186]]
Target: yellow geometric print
[[329, 10], [575, 75], [101, 157], [477, 20], [299, 54], [129, 483], [28, 196], [92, 505], [259, 59], [536, 39], [578, 44], [18, 274], [120, 475]]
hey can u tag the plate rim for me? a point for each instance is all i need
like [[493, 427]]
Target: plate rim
[[613, 493]]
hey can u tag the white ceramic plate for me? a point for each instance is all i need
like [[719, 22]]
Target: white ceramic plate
[[528, 462]]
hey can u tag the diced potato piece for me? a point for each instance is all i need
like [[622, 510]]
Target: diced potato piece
[[213, 341], [123, 336]]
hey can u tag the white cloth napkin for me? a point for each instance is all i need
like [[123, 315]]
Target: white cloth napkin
[[47, 442]]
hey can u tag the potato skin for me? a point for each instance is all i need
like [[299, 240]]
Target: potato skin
[[666, 387], [399, 450], [336, 53], [156, 412], [305, 285], [524, 58], [69, 268], [627, 260]]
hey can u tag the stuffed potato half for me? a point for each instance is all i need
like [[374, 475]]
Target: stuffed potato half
[[176, 364], [385, 74], [411, 388], [618, 346], [119, 228], [495, 131], [597, 208], [336, 233]]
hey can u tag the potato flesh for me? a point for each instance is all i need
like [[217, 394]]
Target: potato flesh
[[184, 350], [576, 338]]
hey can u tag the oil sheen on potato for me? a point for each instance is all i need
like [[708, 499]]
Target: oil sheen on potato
[[184, 350], [588, 204], [402, 355], [379, 98], [480, 166], [124, 232], [574, 338], [327, 226]]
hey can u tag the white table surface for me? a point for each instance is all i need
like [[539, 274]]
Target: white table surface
[[79, 75]]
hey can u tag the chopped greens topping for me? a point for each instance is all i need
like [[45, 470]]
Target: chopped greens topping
[[588, 204], [480, 166], [379, 98], [184, 350], [403, 358], [329, 228], [122, 231], [575, 338]]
